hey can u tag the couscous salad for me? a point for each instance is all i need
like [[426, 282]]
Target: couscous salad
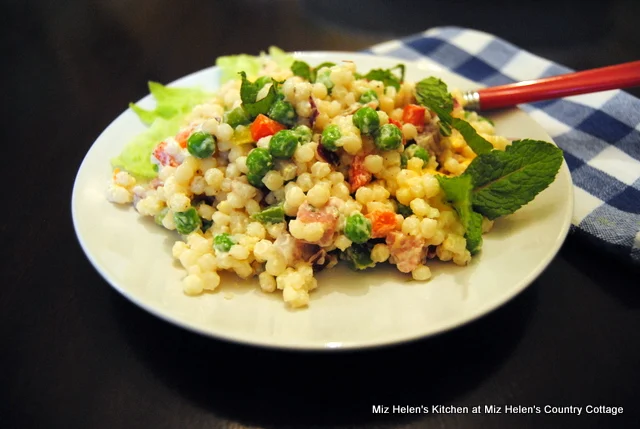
[[291, 168]]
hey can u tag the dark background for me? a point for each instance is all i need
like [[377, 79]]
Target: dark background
[[74, 353]]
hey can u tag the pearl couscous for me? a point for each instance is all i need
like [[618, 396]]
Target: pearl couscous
[[318, 169]]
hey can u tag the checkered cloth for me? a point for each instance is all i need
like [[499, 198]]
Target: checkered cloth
[[599, 133]]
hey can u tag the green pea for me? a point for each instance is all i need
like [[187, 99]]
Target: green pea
[[415, 151], [272, 214], [330, 135], [283, 144], [388, 137], [283, 112], [366, 119], [303, 132], [201, 144], [368, 96], [187, 221], [358, 228], [259, 162], [223, 242], [236, 117], [159, 217]]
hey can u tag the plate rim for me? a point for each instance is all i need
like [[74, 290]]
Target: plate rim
[[343, 346]]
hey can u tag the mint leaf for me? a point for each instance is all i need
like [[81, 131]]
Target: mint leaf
[[433, 93], [305, 71], [249, 93], [386, 76], [505, 181], [302, 69], [325, 64], [477, 143], [458, 192]]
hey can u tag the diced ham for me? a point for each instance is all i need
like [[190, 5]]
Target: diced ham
[[163, 157], [407, 251], [328, 216], [358, 174]]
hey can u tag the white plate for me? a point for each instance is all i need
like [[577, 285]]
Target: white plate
[[348, 310]]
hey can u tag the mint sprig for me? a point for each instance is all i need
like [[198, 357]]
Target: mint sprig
[[434, 94], [499, 183], [505, 181]]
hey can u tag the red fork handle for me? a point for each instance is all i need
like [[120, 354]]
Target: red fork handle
[[601, 79]]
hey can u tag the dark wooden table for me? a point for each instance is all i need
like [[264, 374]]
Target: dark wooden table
[[75, 354]]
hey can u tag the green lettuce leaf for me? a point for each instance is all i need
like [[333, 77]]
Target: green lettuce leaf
[[505, 181], [231, 65], [281, 58], [458, 192], [170, 101], [135, 158], [172, 105]]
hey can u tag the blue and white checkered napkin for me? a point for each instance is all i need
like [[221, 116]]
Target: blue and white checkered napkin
[[599, 133]]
